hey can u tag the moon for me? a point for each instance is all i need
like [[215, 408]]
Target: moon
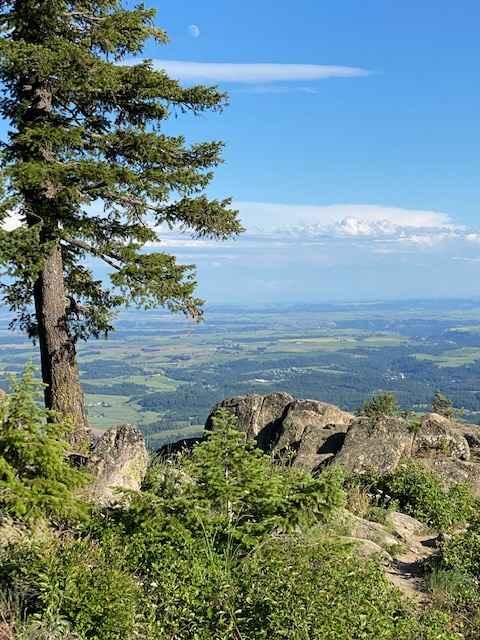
[[194, 30]]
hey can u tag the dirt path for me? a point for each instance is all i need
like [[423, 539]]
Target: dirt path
[[406, 572]]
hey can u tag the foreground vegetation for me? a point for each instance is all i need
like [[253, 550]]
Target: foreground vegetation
[[219, 544]]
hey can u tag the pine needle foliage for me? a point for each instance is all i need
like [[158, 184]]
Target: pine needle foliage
[[379, 405], [36, 480], [87, 164]]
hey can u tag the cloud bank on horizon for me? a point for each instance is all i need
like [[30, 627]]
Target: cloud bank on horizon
[[344, 251], [347, 251]]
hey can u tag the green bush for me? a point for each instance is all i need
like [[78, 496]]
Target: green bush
[[453, 589], [323, 592], [457, 592], [382, 404], [462, 551], [455, 580], [231, 492], [35, 478], [420, 493], [74, 583]]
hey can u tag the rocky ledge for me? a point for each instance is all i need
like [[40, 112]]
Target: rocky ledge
[[315, 433]]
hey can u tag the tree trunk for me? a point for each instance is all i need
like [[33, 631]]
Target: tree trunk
[[57, 348]]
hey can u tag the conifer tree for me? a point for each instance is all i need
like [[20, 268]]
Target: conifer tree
[[442, 405], [89, 170]]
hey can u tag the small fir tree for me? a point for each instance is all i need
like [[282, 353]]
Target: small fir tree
[[35, 478], [382, 404], [442, 405]]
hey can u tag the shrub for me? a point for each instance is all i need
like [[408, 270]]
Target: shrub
[[457, 592], [322, 591], [453, 589], [231, 492], [421, 494], [382, 404], [74, 584], [455, 581], [35, 478], [462, 551]]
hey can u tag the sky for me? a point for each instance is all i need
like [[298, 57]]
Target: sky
[[352, 145]]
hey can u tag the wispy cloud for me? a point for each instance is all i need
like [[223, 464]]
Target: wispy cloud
[[254, 72], [466, 258]]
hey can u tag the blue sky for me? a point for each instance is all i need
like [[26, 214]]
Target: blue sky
[[352, 145], [377, 172]]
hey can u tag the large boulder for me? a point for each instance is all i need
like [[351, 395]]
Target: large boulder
[[308, 431], [471, 433], [453, 471], [313, 431], [311, 434], [118, 460], [257, 415], [438, 436], [375, 444]]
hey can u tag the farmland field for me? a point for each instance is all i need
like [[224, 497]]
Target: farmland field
[[164, 373]]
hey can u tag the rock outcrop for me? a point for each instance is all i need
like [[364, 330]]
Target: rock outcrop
[[437, 435], [375, 444], [308, 431], [453, 471], [313, 430], [257, 416], [118, 461], [314, 433]]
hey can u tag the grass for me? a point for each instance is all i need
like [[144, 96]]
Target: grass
[[105, 411], [453, 358]]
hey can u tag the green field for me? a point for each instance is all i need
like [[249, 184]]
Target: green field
[[164, 374], [453, 358]]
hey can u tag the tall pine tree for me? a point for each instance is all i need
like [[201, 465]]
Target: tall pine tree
[[90, 172]]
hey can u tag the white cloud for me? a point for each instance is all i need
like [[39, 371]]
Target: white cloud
[[13, 221], [378, 229], [194, 30], [473, 237], [255, 72], [180, 243], [466, 259], [346, 219]]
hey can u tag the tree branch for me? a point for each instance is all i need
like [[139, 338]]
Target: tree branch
[[80, 244]]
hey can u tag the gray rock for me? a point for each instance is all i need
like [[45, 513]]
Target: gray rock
[[437, 436], [315, 431], [119, 460], [453, 471], [367, 549], [405, 527], [257, 415], [309, 431], [376, 445], [471, 433], [373, 531]]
